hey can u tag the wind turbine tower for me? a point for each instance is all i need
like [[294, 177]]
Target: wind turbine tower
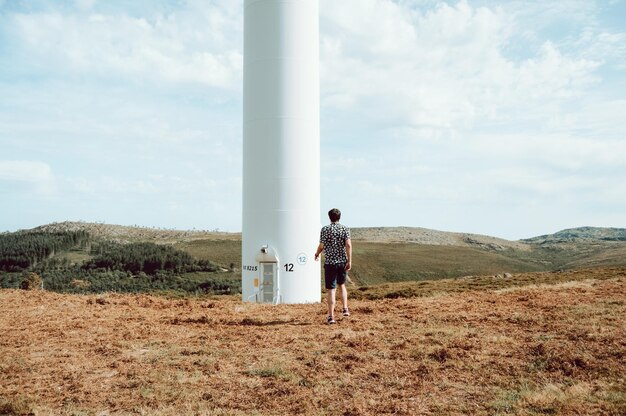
[[281, 152]]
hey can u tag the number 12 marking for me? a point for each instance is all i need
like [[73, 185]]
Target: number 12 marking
[[288, 267]]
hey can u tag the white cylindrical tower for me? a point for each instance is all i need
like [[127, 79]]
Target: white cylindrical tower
[[281, 151]]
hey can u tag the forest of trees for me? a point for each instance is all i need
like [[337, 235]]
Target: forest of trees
[[24, 250], [134, 267], [148, 258]]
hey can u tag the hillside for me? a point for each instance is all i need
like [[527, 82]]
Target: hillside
[[581, 234], [124, 233], [426, 236], [414, 235], [392, 254], [543, 343]]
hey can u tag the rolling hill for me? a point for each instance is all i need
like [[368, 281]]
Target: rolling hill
[[396, 254]]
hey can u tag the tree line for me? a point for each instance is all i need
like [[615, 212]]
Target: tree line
[[148, 258], [24, 250], [111, 266]]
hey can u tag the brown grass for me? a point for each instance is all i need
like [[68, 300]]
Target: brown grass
[[528, 350]]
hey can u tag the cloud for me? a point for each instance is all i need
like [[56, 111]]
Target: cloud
[[179, 47], [28, 175], [601, 45], [443, 68], [85, 4]]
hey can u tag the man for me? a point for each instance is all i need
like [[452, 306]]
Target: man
[[337, 247]]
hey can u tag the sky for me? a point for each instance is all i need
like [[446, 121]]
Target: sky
[[504, 118]]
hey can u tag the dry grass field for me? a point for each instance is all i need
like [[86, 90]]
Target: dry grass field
[[554, 345]]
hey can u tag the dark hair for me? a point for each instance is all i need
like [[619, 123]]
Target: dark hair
[[334, 215]]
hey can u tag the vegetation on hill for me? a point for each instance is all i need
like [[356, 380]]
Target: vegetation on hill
[[106, 266], [581, 233], [23, 250], [148, 258], [88, 258], [376, 263]]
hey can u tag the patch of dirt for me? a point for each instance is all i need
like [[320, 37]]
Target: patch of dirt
[[526, 350]]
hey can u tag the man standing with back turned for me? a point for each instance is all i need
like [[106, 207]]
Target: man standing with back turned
[[337, 246]]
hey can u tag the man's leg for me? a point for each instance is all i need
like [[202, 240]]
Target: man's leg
[[331, 302], [344, 295]]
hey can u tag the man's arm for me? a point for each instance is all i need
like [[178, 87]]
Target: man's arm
[[319, 251], [349, 254]]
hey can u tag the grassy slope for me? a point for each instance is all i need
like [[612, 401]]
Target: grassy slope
[[222, 252], [376, 262], [609, 253], [381, 262], [389, 262], [392, 262]]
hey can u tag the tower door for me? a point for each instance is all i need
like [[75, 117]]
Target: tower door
[[269, 277]]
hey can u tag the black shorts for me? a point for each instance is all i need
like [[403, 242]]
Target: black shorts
[[335, 274]]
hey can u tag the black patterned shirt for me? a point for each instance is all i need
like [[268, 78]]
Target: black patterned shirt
[[334, 237]]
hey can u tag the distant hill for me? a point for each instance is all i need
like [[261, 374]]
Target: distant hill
[[124, 233], [433, 237], [581, 234], [392, 254], [415, 235]]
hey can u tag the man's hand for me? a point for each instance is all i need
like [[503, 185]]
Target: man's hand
[[319, 250], [348, 265]]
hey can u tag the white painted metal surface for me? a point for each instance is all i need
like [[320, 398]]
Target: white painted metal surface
[[281, 141]]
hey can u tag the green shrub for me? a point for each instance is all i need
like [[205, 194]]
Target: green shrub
[[31, 281]]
